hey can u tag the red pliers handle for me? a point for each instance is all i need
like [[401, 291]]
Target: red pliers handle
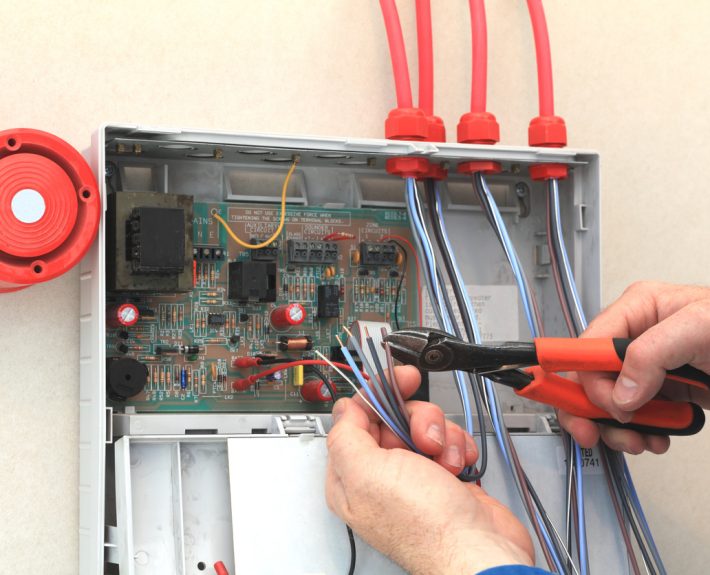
[[657, 417]]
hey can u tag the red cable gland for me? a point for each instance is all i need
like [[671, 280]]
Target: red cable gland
[[436, 129], [539, 172], [407, 167], [547, 132], [478, 128], [407, 124], [435, 172], [483, 166], [49, 208]]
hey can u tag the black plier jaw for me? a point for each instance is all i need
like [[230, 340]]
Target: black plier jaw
[[434, 350]]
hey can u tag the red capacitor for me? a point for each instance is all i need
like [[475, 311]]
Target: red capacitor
[[315, 391], [49, 208], [288, 315], [124, 315]]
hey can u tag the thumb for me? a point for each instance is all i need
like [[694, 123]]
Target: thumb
[[683, 337]]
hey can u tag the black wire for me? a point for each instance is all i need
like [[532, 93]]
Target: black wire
[[353, 550], [474, 381], [399, 285], [326, 381]]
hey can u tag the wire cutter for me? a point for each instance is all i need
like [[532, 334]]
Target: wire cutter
[[529, 369]]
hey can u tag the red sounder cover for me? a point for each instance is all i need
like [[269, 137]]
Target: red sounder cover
[[49, 207]]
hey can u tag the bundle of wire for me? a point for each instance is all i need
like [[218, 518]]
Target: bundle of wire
[[575, 497], [551, 543], [380, 392], [621, 486]]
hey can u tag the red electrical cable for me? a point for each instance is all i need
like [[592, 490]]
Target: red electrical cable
[[546, 130], [478, 126], [416, 265], [426, 57], [544, 57], [479, 55], [220, 568], [245, 383], [397, 53]]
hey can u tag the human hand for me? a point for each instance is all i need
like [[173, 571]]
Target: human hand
[[671, 327], [409, 507]]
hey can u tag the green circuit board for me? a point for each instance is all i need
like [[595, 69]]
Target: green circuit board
[[202, 381]]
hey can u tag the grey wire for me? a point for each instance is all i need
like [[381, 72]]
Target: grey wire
[[438, 225], [399, 416], [378, 388]]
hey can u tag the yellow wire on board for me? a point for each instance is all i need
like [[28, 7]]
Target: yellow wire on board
[[282, 219]]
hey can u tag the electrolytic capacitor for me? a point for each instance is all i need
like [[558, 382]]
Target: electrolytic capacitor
[[315, 391], [124, 315], [287, 316]]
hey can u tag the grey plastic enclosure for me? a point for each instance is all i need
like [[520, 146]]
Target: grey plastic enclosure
[[145, 507]]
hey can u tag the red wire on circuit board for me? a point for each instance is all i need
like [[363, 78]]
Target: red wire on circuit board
[[247, 382], [337, 236], [416, 265]]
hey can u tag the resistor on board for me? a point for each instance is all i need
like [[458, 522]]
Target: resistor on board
[[183, 379]]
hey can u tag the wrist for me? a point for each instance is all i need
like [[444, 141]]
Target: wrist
[[471, 551]]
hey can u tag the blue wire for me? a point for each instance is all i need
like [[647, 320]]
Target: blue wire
[[642, 517], [376, 404], [511, 254], [583, 551], [491, 208], [583, 321], [427, 250]]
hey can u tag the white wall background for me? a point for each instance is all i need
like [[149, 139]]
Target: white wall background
[[632, 80]]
